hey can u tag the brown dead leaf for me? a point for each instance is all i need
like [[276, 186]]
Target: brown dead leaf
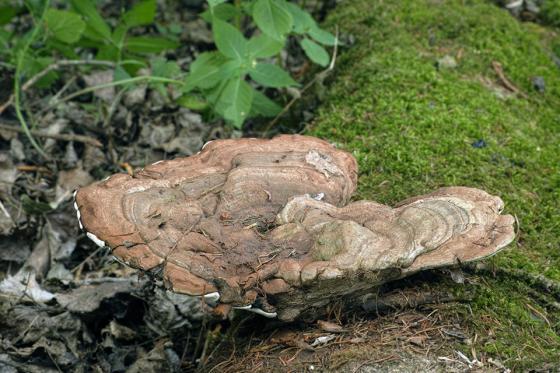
[[418, 340], [330, 327]]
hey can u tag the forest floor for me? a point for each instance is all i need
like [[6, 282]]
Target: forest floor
[[425, 94], [437, 93]]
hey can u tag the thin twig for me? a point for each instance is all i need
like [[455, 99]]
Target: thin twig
[[86, 259], [57, 136], [113, 108], [319, 77], [505, 81]]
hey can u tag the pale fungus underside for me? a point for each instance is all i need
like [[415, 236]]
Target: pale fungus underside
[[266, 225]]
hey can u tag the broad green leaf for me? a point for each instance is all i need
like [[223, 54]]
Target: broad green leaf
[[163, 68], [303, 21], [247, 7], [65, 26], [121, 74], [270, 75], [264, 106], [193, 102], [213, 95], [107, 52], [143, 13], [213, 3], [315, 52], [91, 35], [132, 63], [205, 71], [272, 18], [229, 40], [92, 17], [119, 35], [263, 46], [322, 36], [149, 44], [235, 101], [34, 207], [7, 12], [33, 65], [225, 12], [36, 7], [5, 36], [68, 51]]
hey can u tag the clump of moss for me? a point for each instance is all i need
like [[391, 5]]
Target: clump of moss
[[415, 127], [550, 12]]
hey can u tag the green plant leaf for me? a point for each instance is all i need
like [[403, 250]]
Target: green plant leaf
[[205, 72], [121, 74], [213, 3], [322, 36], [193, 102], [33, 207], [68, 51], [142, 13], [303, 21], [94, 21], [107, 52], [235, 101], [164, 68], [229, 40], [149, 44], [315, 52], [119, 35], [269, 75], [65, 26], [33, 65], [7, 12], [263, 46], [225, 12], [5, 36], [264, 106], [272, 18]]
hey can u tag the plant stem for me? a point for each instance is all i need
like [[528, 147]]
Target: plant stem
[[55, 66], [238, 14], [319, 77], [136, 79], [17, 83], [57, 136]]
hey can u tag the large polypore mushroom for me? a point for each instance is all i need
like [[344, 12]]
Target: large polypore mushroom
[[266, 225]]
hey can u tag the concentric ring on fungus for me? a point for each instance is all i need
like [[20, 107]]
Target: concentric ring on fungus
[[266, 226]]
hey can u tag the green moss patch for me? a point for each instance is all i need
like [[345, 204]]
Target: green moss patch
[[415, 126]]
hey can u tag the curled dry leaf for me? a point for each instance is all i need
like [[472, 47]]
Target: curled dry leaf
[[265, 225], [330, 326]]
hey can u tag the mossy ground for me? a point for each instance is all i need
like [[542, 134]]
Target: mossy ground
[[412, 128], [415, 127]]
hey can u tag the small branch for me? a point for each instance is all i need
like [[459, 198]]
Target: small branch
[[505, 81], [319, 77], [59, 136], [407, 299]]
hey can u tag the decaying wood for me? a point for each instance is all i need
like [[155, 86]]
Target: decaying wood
[[266, 225]]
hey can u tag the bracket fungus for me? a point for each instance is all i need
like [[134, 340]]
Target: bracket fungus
[[268, 226]]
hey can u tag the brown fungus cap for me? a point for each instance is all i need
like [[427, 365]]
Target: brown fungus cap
[[265, 225]]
